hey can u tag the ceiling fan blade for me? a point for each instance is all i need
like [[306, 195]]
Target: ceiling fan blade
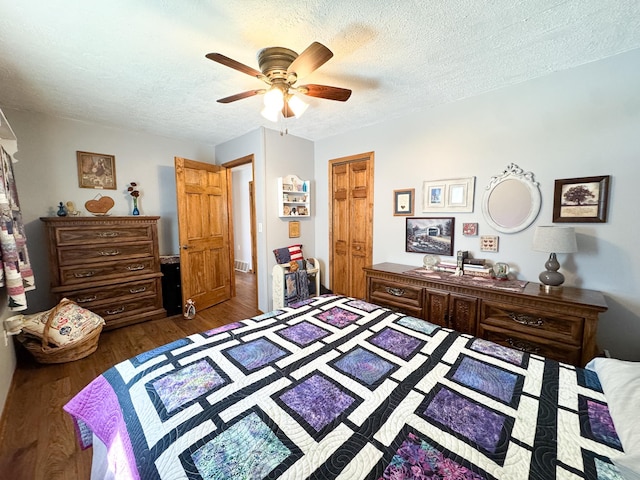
[[241, 67], [324, 91], [313, 57], [240, 96]]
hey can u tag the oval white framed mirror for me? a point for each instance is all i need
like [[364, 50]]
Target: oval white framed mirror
[[512, 200]]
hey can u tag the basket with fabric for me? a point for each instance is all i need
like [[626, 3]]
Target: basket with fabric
[[63, 334]]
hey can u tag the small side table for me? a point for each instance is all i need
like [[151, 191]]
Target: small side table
[[171, 287]]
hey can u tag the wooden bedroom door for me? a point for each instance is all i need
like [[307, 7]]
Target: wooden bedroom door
[[204, 232], [351, 227]]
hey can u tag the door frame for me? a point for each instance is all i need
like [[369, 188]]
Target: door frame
[[252, 212]]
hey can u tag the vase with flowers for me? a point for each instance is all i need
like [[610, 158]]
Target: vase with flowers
[[135, 193]]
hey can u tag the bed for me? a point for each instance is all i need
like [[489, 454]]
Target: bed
[[334, 387]]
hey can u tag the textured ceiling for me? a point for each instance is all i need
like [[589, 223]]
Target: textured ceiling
[[141, 64]]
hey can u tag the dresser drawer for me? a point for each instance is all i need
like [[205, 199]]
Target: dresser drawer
[[122, 270], [405, 298], [126, 307], [563, 328], [91, 297], [101, 253], [525, 343], [101, 234]]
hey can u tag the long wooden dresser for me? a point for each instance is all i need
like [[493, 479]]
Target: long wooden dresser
[[109, 265], [560, 325]]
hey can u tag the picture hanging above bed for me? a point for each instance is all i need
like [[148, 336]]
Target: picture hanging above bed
[[430, 235]]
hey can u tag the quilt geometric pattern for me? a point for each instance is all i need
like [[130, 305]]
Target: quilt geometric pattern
[[339, 388]]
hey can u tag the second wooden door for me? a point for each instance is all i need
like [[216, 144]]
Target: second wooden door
[[351, 227]]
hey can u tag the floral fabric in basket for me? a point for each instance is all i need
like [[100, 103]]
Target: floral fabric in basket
[[70, 324]]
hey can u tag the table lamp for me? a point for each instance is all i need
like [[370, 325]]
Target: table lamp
[[553, 240]]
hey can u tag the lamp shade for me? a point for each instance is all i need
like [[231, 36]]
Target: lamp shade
[[555, 239]]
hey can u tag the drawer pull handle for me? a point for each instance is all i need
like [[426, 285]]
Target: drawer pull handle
[[90, 273], [108, 253], [86, 299], [396, 292], [115, 311], [134, 268], [523, 346], [137, 290], [528, 320], [108, 234]]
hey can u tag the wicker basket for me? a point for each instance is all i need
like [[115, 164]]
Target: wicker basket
[[44, 353]]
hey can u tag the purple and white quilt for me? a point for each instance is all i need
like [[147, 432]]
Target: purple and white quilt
[[337, 388]]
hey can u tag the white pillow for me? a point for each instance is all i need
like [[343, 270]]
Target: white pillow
[[620, 382]]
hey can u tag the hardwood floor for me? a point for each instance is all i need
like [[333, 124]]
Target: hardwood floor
[[37, 438]]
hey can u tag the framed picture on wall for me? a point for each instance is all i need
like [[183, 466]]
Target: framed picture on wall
[[453, 195], [403, 202], [583, 199], [430, 235], [96, 170], [294, 229]]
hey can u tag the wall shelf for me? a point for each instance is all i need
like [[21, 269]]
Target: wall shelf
[[294, 197]]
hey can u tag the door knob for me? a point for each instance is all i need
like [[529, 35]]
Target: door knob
[[185, 247]]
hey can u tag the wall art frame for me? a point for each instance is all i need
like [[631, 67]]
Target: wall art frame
[[294, 229], [469, 229], [489, 243], [582, 199], [404, 202], [430, 235], [451, 195], [96, 170]]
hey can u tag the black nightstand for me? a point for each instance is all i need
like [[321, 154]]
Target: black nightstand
[[171, 287]]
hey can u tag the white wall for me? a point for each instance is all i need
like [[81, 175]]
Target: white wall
[[252, 143], [288, 155], [46, 174], [275, 156], [577, 123], [240, 177]]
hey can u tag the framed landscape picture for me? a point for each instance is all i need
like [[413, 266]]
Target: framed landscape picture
[[582, 199], [430, 235]]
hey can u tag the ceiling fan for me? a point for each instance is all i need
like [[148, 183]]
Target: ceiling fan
[[280, 69]]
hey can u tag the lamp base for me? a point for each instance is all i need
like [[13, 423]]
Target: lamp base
[[551, 278], [550, 288]]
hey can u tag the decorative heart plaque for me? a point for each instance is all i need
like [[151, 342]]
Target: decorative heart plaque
[[99, 206]]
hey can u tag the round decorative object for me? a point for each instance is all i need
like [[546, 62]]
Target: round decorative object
[[501, 271], [286, 210], [429, 261], [99, 206]]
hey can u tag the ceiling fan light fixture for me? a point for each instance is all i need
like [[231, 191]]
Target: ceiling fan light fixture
[[271, 114], [297, 105], [274, 99]]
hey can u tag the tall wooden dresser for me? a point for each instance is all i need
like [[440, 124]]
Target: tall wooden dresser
[[109, 265]]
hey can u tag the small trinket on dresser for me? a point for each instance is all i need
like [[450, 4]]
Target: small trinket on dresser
[[61, 210]]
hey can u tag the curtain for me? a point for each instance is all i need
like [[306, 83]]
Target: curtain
[[15, 269]]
